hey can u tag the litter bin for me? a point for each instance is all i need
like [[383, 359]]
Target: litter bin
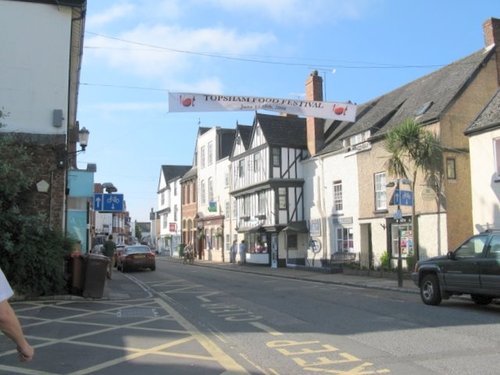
[[76, 274], [96, 267], [180, 250]]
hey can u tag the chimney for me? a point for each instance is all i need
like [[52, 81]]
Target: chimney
[[315, 126], [491, 31]]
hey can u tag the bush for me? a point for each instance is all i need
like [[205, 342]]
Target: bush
[[385, 261], [31, 254]]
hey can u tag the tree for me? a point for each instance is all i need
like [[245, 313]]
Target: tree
[[413, 149]]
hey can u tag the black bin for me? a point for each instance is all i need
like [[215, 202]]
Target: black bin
[[96, 267]]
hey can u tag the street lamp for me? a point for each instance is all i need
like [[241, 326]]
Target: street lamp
[[398, 216]]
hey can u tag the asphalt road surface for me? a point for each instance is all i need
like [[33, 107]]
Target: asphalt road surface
[[195, 319]]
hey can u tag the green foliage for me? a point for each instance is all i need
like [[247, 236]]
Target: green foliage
[[138, 232], [31, 254], [410, 262], [385, 261]]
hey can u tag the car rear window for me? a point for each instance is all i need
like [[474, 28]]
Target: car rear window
[[138, 249]]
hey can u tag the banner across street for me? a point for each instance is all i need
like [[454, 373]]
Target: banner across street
[[190, 102]]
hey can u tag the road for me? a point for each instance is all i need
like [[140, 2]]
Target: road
[[270, 325], [198, 319]]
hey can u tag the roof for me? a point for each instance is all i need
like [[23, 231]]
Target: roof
[[171, 172], [430, 95], [245, 132], [489, 118], [226, 140], [193, 172], [286, 131]]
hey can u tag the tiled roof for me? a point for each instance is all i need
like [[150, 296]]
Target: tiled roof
[[226, 140], [245, 132], [489, 118], [171, 172], [283, 130], [437, 90]]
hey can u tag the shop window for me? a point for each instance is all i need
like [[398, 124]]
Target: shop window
[[291, 241], [345, 241]]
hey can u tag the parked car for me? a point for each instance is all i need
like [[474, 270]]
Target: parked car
[[473, 268], [136, 257], [118, 251]]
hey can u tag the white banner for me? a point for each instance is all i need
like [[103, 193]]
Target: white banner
[[188, 102]]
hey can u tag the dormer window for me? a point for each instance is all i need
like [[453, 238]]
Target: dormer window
[[424, 108]]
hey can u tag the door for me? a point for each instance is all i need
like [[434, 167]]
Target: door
[[489, 268], [461, 271]]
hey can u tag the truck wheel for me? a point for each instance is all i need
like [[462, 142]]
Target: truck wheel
[[429, 290], [481, 300]]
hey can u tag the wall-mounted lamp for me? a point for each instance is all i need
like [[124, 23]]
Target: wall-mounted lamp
[[83, 138], [65, 156]]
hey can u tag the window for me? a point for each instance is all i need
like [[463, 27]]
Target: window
[[226, 179], [202, 157], [175, 188], [246, 205], [291, 241], [202, 191], [380, 191], [241, 168], [256, 162], [164, 221], [337, 196], [282, 198], [176, 209], [210, 189], [451, 171], [276, 157], [228, 209], [494, 247], [496, 150], [162, 198], [261, 209], [344, 240], [472, 248], [210, 152]]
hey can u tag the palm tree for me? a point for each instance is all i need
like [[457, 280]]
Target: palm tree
[[413, 149]]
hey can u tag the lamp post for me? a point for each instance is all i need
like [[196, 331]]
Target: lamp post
[[398, 216]]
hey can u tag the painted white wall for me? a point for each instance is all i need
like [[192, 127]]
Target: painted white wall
[[206, 171], [320, 173], [33, 87], [485, 182]]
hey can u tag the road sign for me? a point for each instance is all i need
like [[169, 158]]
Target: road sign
[[108, 202], [402, 198]]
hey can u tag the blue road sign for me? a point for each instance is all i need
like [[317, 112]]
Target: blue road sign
[[108, 202], [402, 198]]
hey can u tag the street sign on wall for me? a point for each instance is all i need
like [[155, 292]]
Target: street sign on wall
[[108, 202]]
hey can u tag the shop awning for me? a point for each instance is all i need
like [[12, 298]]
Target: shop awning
[[255, 228], [297, 226]]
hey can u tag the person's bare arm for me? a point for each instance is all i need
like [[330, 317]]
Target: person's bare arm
[[11, 327]]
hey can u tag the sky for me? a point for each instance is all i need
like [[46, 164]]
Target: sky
[[137, 51]]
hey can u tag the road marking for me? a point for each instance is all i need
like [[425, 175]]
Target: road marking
[[267, 329], [203, 297], [226, 361]]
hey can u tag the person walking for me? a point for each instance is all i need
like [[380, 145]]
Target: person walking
[[9, 323], [109, 250], [234, 250], [243, 251]]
